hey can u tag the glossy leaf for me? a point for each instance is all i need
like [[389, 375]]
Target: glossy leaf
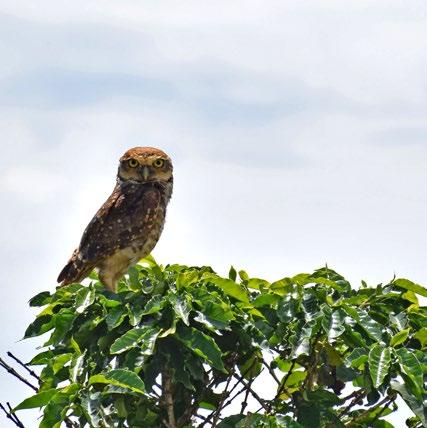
[[416, 404], [38, 400], [399, 337], [411, 286], [296, 346], [120, 377], [132, 338], [231, 288], [332, 323], [202, 345], [379, 364], [411, 367]]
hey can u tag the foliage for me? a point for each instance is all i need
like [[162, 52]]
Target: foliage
[[178, 346]]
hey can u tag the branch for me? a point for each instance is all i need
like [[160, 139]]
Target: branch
[[224, 395], [357, 397], [13, 372], [167, 392], [31, 372], [245, 401], [11, 415], [231, 374], [255, 395], [206, 420], [271, 371], [386, 402], [282, 384]]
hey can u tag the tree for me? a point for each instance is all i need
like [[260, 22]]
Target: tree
[[178, 346]]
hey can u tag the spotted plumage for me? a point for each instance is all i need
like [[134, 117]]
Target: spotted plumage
[[127, 227]]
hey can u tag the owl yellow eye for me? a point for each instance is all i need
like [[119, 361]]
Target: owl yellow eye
[[133, 163], [158, 163]]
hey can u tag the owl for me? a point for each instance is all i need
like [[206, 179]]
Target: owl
[[127, 227]]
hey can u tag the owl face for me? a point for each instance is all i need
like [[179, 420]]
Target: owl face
[[145, 164]]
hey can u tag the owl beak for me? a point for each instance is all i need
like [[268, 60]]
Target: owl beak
[[145, 172]]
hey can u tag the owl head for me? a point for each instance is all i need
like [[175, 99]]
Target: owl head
[[145, 164]]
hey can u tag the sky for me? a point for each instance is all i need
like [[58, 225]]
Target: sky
[[297, 130]]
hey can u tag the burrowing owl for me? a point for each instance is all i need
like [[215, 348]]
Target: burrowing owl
[[127, 227]]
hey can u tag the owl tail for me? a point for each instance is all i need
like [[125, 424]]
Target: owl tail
[[74, 271]]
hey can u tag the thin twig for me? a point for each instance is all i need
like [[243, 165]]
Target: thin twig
[[224, 395], [31, 372], [386, 402], [353, 402], [240, 378], [245, 400], [13, 414], [282, 384], [271, 371], [353, 394], [260, 400], [208, 418], [10, 415], [13, 372]]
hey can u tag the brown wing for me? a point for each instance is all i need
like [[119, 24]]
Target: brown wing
[[126, 216]]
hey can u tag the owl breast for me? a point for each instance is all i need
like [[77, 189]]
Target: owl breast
[[115, 265], [139, 237]]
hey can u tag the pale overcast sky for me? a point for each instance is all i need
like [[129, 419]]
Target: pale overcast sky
[[298, 131]]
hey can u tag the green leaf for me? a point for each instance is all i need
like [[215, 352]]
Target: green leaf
[[40, 299], [332, 323], [295, 378], [232, 274], [57, 407], [215, 316], [155, 304], [38, 400], [309, 416], [287, 309], [146, 336], [134, 283], [84, 298], [372, 328], [399, 337], [230, 288], [187, 278], [379, 364], [59, 361], [411, 286], [416, 404], [120, 377], [243, 275], [202, 345], [252, 367], [301, 341], [257, 283], [357, 357], [411, 367], [231, 421], [63, 321], [181, 306], [421, 336], [116, 316], [41, 358], [265, 300], [400, 320], [41, 325], [135, 314]]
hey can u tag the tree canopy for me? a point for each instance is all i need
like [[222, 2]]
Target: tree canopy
[[181, 346]]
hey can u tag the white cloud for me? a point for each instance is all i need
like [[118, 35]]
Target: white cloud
[[30, 184]]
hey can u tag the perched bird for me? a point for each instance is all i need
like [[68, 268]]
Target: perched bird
[[127, 227]]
